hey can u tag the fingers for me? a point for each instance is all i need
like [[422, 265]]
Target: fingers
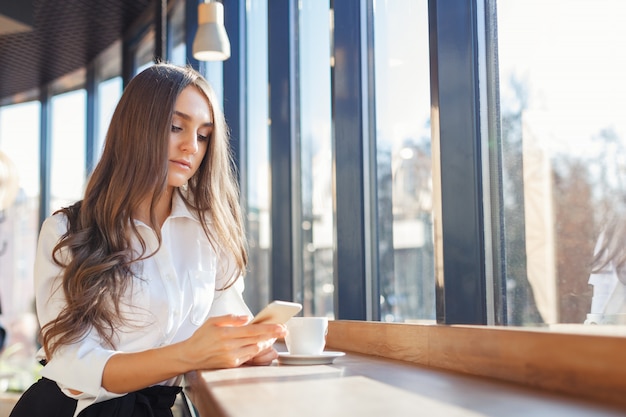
[[272, 330], [264, 357], [225, 342], [256, 350], [256, 332], [260, 353], [229, 331], [256, 353], [227, 320]]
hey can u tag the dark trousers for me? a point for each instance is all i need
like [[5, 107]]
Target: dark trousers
[[45, 399]]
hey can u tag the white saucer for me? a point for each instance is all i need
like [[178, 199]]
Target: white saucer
[[324, 358]]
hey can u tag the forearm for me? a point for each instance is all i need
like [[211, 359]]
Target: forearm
[[221, 342], [127, 372]]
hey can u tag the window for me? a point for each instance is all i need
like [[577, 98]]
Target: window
[[563, 147], [67, 174], [19, 223], [560, 137], [314, 284], [109, 93], [256, 194], [143, 55], [403, 161], [177, 49], [19, 228], [106, 90]]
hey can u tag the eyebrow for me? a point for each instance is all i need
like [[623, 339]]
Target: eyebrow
[[187, 117]]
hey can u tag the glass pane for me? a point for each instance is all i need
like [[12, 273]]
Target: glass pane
[[179, 54], [213, 71], [256, 197], [67, 176], [405, 227], [19, 228], [109, 93], [176, 38], [144, 54], [316, 244], [562, 86], [19, 218]]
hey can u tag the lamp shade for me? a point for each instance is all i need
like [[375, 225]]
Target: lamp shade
[[211, 42]]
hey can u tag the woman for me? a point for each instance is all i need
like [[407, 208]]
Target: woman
[[140, 282]]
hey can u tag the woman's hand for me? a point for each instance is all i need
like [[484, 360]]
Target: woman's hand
[[221, 342], [265, 357], [227, 342]]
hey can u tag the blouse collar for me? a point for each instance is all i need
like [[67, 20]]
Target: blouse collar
[[179, 210]]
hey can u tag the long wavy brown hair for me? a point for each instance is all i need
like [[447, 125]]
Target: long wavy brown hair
[[132, 168]]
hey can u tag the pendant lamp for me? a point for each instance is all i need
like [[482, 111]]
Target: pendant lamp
[[211, 42]]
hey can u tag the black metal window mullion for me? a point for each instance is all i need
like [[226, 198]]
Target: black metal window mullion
[[234, 81], [284, 204], [160, 30], [461, 297], [128, 62], [191, 27], [354, 176]]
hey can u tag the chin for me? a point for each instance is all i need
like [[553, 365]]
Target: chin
[[176, 183]]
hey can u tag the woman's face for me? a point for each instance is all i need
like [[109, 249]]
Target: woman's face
[[189, 135]]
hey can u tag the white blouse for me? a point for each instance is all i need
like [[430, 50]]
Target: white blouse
[[177, 289]]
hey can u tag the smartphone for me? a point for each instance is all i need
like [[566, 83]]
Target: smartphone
[[277, 312]]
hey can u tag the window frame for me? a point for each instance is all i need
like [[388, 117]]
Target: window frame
[[464, 249], [466, 252]]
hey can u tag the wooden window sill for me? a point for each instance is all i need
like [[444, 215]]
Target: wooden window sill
[[403, 369], [577, 360]]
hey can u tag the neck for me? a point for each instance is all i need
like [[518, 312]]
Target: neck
[[162, 209]]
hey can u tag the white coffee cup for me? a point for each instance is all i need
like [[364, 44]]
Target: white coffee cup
[[306, 335]]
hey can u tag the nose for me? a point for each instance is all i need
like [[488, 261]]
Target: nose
[[190, 143]]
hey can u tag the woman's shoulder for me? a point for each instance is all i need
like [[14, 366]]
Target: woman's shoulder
[[58, 217], [52, 231], [55, 224]]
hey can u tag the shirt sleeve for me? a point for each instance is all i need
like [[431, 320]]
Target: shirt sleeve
[[78, 366], [229, 300]]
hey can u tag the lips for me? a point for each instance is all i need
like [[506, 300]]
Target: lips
[[182, 163]]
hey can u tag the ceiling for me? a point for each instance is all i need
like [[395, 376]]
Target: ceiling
[[42, 40]]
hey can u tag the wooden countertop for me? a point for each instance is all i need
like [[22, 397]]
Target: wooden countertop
[[363, 385]]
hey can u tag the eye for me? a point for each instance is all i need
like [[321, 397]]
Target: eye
[[203, 138], [176, 128]]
